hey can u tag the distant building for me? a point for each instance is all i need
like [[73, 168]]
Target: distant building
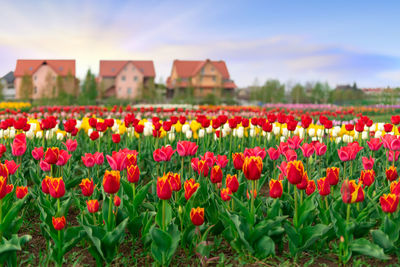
[[373, 91], [37, 79], [204, 77], [123, 79], [8, 86]]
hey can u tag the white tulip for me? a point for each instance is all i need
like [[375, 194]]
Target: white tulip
[[147, 131], [364, 135], [338, 140], [381, 127], [320, 133], [311, 132], [283, 139], [30, 134], [33, 126], [188, 134], [185, 128], [314, 138], [276, 130], [78, 124], [201, 133], [209, 129], [60, 136], [252, 132], [39, 134], [240, 132], [90, 131], [285, 132], [12, 133], [171, 137], [378, 134]]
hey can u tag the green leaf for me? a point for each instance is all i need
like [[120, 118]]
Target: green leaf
[[311, 234], [305, 210], [382, 240], [168, 213], [141, 195], [161, 239], [11, 215], [365, 247], [265, 247]]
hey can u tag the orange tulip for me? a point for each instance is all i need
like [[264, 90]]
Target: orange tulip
[[92, 205], [391, 173], [3, 187], [352, 192], [367, 177], [87, 187], [133, 173], [295, 171], [324, 187], [232, 182], [226, 194], [216, 174], [238, 160], [332, 174], [21, 191], [51, 155]]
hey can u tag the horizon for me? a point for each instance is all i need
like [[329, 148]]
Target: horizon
[[267, 40]]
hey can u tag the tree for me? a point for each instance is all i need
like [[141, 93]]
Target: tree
[[297, 94], [317, 93], [271, 92], [26, 87], [1, 90], [89, 87]]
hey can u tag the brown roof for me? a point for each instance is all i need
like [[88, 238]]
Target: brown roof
[[111, 68], [29, 66], [189, 68]]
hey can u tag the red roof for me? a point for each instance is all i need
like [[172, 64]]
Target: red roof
[[30, 66], [111, 68], [189, 68]]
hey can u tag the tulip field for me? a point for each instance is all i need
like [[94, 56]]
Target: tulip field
[[122, 186]]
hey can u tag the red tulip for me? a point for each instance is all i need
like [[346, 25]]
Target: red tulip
[[94, 135], [117, 161], [232, 183], [175, 180], [216, 174], [368, 163], [133, 173], [190, 188], [324, 187], [52, 154], [238, 160], [389, 202], [304, 182], [99, 158], [395, 188], [222, 161], [111, 181], [116, 138], [310, 187], [164, 188], [332, 175], [197, 216], [63, 158], [295, 171], [391, 173], [56, 187], [117, 201], [92, 205], [59, 223], [367, 177], [226, 194], [255, 152], [252, 167], [21, 191], [3, 187], [352, 192], [46, 167], [275, 188], [46, 185], [290, 155], [87, 187]]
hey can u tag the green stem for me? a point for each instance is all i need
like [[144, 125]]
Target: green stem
[[58, 206], [252, 198], [133, 191], [348, 213], [295, 207], [182, 162], [110, 211], [163, 214]]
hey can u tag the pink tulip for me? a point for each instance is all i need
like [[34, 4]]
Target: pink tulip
[[38, 153], [283, 147], [71, 145], [320, 148], [283, 168], [18, 147], [290, 155], [256, 152], [163, 154], [374, 144], [209, 158], [368, 163], [194, 162], [222, 161], [391, 142], [344, 154], [307, 149], [88, 160], [273, 153], [186, 148], [63, 158], [294, 142], [46, 167], [12, 167], [117, 161], [99, 158], [389, 155]]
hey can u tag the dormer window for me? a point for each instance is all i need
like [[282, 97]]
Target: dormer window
[[112, 69], [31, 68], [60, 68], [123, 78]]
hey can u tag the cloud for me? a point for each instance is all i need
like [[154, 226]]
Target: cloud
[[89, 31]]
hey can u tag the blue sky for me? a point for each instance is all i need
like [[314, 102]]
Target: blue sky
[[294, 41]]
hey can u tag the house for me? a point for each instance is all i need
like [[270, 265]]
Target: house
[[124, 79], [7, 82], [43, 78], [204, 77]]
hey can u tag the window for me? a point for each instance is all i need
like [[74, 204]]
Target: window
[[123, 78], [202, 71], [54, 78], [129, 91], [35, 77], [214, 78], [35, 90], [60, 68], [31, 68], [212, 69], [125, 68], [135, 78], [112, 69], [133, 67]]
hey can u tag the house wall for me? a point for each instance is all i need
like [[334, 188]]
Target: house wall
[[44, 82], [128, 82]]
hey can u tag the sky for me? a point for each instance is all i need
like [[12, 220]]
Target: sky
[[338, 42]]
